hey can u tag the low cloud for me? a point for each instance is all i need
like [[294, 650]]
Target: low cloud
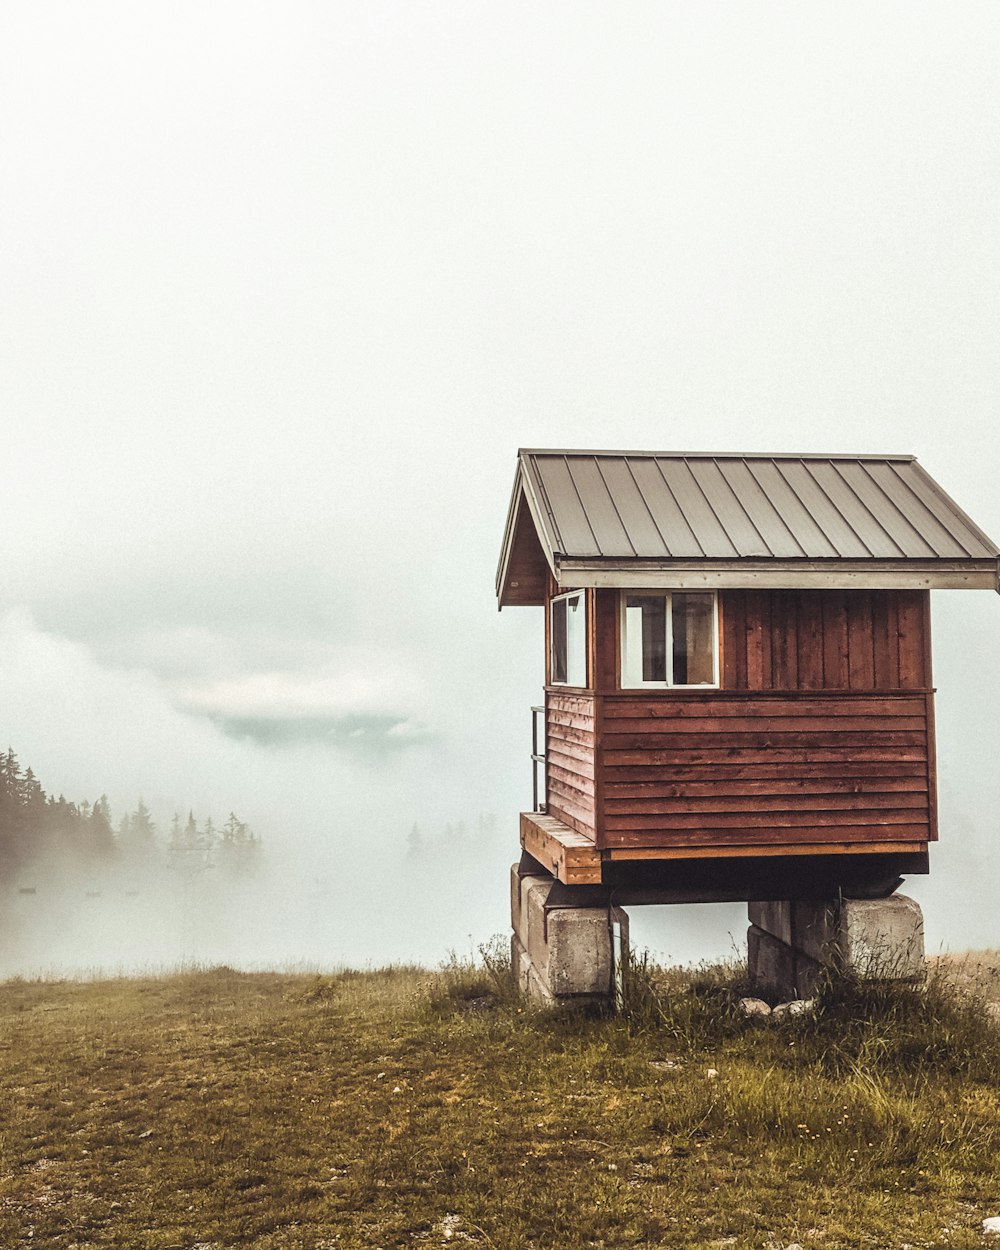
[[366, 734]]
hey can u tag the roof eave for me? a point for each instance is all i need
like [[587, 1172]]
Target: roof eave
[[870, 574]]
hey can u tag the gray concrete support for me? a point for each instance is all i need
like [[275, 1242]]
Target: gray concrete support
[[791, 942], [562, 954]]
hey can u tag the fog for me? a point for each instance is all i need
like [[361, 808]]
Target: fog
[[285, 289]]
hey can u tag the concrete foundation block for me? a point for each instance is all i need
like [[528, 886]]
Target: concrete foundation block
[[580, 952], [563, 954], [779, 970], [790, 943], [534, 924], [883, 937], [811, 927], [519, 886], [773, 917], [515, 898], [530, 983]]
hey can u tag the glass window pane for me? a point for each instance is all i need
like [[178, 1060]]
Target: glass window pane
[[576, 641], [693, 623], [645, 639], [559, 641]]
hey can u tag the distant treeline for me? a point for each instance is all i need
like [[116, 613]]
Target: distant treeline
[[452, 839], [35, 825]]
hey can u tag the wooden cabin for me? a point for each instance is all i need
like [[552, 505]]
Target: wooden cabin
[[738, 664]]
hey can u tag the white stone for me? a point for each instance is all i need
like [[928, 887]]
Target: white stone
[[754, 1007], [992, 1225], [798, 1007]]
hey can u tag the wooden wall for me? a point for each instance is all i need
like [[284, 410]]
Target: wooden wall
[[821, 736], [571, 759], [825, 640], [737, 770]]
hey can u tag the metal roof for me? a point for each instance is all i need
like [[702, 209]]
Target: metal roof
[[642, 518]]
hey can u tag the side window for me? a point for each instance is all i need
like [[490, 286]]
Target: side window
[[669, 639], [569, 640]]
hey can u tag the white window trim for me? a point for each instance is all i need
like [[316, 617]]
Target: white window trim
[[570, 594], [666, 685]]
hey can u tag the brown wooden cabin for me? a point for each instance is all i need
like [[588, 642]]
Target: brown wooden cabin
[[738, 697]]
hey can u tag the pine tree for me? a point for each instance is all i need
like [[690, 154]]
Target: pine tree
[[101, 836], [414, 843]]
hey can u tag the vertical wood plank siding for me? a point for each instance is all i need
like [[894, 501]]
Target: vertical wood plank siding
[[824, 639]]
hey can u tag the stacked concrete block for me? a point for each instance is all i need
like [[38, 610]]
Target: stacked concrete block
[[562, 954], [791, 942]]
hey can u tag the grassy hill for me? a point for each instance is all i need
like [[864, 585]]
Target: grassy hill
[[405, 1108]]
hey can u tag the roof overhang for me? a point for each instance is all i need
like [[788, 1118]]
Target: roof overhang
[[780, 575]]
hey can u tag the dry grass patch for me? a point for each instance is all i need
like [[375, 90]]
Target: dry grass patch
[[400, 1108]]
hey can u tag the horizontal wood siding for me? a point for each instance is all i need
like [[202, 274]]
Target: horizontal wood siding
[[723, 769], [825, 639], [570, 746]]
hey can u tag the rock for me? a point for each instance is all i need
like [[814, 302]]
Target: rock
[[798, 1007], [711, 1073], [664, 1065], [754, 1007], [449, 1228], [992, 1225]]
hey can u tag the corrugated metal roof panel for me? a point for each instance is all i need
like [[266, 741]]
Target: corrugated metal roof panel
[[807, 534], [604, 512], [643, 533], [917, 513], [684, 488], [569, 517]]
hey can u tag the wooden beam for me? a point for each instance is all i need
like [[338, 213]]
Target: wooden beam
[[568, 855], [760, 851]]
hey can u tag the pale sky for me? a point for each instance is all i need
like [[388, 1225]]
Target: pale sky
[[286, 285]]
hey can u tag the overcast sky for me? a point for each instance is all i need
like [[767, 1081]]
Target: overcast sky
[[286, 285]]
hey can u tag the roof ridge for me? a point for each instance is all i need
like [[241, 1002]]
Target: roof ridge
[[714, 455]]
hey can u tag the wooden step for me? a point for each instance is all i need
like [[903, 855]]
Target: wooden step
[[568, 855]]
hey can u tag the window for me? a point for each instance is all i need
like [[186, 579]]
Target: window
[[670, 639], [569, 640]]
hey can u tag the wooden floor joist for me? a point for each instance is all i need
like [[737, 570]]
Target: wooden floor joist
[[763, 850], [568, 855], [574, 860]]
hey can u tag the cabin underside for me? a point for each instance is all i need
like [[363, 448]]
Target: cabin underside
[[751, 873]]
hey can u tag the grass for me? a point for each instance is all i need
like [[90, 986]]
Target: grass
[[400, 1108]]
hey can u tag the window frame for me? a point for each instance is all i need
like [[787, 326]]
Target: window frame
[[667, 597], [580, 593]]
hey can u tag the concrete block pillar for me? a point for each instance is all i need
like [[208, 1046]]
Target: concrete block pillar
[[564, 953], [791, 942]]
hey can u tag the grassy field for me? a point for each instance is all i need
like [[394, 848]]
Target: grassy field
[[405, 1108]]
